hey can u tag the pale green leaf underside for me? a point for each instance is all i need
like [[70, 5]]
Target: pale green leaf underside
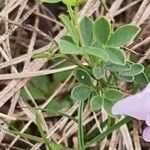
[[135, 70], [102, 30], [123, 35], [69, 48], [70, 27], [96, 103], [126, 78], [116, 56], [86, 27], [98, 52], [98, 72], [113, 94], [118, 68]]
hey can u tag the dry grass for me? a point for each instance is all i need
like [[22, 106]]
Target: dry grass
[[19, 31]]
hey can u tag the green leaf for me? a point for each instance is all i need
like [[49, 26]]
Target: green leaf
[[58, 113], [51, 1], [58, 105], [94, 60], [108, 106], [141, 80], [27, 136], [98, 72], [86, 28], [117, 68], [83, 77], [36, 93], [2, 2], [80, 126], [55, 146], [123, 35], [68, 38], [70, 27], [147, 71], [96, 103], [97, 44], [38, 88], [116, 56], [98, 52], [73, 2], [50, 145], [69, 48], [103, 135], [40, 128], [60, 77], [42, 83], [135, 70], [125, 78], [113, 94], [95, 132], [93, 93], [80, 92], [102, 30], [34, 138]]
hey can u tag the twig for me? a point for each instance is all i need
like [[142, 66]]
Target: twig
[[136, 136], [30, 28], [140, 11]]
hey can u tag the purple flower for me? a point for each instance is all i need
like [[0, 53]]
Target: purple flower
[[137, 106]]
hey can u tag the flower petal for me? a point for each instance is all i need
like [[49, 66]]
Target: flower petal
[[148, 120], [147, 89], [136, 106], [146, 134]]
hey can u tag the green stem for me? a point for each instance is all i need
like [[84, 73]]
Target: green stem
[[109, 131], [71, 13], [75, 61], [78, 27], [80, 127]]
